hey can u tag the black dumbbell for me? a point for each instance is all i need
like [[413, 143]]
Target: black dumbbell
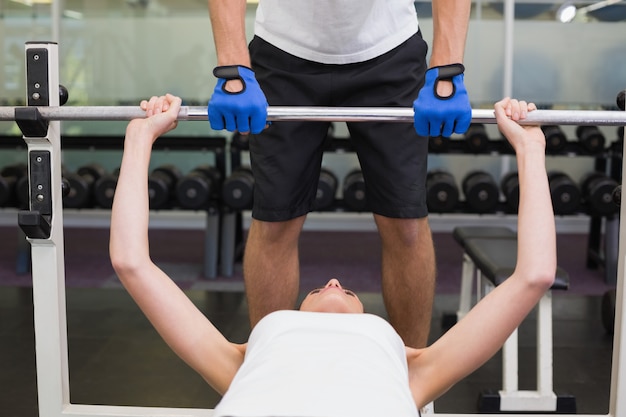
[[555, 138], [597, 190], [509, 185], [442, 193], [198, 187], [238, 189], [104, 189], [9, 177], [23, 192], [617, 196], [438, 144], [162, 185], [81, 185], [476, 138], [481, 192], [354, 197], [326, 189], [565, 193], [239, 141], [591, 138], [609, 300]]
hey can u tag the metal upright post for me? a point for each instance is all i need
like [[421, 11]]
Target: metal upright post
[[43, 226]]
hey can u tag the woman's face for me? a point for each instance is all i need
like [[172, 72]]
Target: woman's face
[[332, 298]]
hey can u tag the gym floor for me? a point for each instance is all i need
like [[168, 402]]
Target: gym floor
[[116, 358]]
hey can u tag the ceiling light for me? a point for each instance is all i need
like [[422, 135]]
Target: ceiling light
[[32, 2], [566, 13]]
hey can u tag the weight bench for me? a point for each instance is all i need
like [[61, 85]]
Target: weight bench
[[490, 255]]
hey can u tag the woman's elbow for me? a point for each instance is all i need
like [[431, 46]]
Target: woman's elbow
[[541, 278], [125, 264], [122, 266]]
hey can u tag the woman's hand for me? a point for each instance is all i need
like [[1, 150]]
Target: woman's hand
[[508, 112], [161, 116]]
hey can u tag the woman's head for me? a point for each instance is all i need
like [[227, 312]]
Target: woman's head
[[332, 298]]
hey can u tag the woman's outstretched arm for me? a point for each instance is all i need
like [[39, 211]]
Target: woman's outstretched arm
[[183, 327], [483, 331]]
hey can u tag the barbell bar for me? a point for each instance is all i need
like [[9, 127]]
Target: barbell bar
[[327, 114]]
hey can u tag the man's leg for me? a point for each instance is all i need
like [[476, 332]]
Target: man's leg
[[271, 268], [408, 276]]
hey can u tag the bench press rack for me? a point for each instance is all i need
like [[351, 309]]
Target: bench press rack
[[43, 225]]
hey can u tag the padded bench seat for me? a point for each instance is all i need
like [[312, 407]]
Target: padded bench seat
[[496, 258], [461, 234], [490, 255]]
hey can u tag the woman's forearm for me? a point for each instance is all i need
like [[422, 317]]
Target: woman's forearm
[[130, 213], [536, 227]]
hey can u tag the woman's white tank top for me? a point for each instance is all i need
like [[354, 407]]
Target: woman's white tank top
[[336, 31], [302, 364]]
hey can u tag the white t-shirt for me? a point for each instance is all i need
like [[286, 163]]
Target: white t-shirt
[[301, 364], [336, 31]]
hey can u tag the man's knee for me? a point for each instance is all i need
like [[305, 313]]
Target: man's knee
[[276, 232], [408, 232]]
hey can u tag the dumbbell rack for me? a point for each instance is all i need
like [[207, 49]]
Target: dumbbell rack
[[607, 159], [606, 254], [224, 225], [214, 211]]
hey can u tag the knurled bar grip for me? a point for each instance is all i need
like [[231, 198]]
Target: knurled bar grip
[[328, 114]]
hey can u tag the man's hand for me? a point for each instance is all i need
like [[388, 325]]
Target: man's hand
[[243, 110], [437, 115]]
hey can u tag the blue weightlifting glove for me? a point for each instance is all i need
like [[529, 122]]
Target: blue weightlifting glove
[[442, 116], [243, 111]]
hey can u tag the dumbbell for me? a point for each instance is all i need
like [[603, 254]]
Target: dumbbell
[[239, 141], [481, 192], [81, 185], [162, 185], [238, 189], [617, 196], [104, 189], [555, 138], [591, 138], [354, 196], [509, 185], [326, 189], [442, 193], [438, 144], [9, 177], [609, 299], [23, 193], [476, 138], [597, 190], [564, 192], [196, 188]]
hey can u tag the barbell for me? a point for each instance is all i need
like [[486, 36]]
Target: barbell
[[323, 114]]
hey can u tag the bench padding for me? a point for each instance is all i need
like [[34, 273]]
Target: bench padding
[[494, 252], [496, 258], [461, 234]]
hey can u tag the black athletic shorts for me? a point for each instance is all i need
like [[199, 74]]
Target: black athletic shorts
[[286, 158]]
